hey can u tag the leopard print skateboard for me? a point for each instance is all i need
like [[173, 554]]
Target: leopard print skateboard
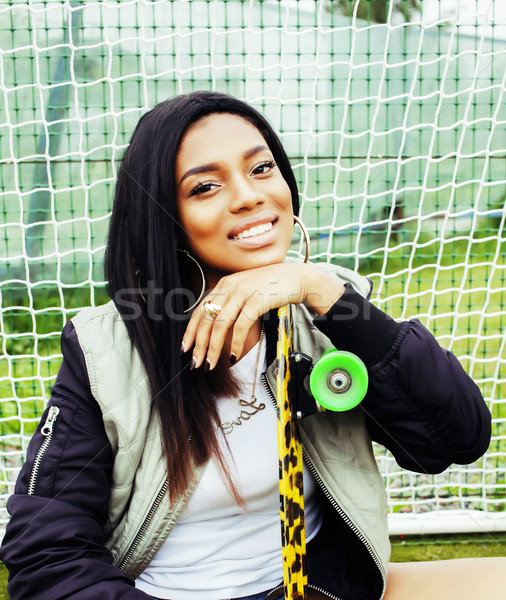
[[291, 494], [337, 382]]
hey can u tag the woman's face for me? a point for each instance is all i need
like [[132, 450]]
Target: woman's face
[[234, 205]]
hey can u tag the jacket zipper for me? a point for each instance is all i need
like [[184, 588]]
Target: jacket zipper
[[335, 505], [147, 520], [347, 520], [310, 587], [144, 525], [47, 432]]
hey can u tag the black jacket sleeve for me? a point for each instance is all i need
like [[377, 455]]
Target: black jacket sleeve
[[54, 543], [420, 403]]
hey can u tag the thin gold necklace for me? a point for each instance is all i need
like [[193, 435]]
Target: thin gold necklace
[[245, 415]]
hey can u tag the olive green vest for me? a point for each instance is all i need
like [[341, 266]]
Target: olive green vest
[[140, 515]]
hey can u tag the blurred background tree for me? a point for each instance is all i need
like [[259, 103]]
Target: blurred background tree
[[376, 10]]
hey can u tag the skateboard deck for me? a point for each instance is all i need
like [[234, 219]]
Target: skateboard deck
[[291, 493], [338, 382]]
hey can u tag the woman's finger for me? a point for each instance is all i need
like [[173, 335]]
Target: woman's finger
[[228, 320], [207, 311], [202, 322], [248, 300], [252, 310]]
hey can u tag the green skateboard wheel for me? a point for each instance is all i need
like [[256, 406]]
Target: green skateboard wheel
[[338, 381]]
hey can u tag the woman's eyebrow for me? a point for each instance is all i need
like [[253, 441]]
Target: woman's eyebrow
[[255, 150], [197, 170], [215, 167]]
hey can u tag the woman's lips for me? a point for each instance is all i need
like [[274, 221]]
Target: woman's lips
[[253, 231], [258, 236], [253, 221]]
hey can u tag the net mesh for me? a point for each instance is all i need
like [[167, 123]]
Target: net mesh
[[393, 115]]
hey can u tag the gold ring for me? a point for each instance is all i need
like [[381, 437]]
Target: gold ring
[[212, 310]]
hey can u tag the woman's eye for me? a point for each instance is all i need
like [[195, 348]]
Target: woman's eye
[[201, 188], [264, 167]]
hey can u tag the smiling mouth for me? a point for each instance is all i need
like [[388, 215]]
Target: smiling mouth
[[254, 231]]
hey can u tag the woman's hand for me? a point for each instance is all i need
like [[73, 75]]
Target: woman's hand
[[246, 296]]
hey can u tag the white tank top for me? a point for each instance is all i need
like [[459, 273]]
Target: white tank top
[[219, 549]]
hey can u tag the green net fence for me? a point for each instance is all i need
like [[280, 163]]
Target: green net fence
[[393, 115]]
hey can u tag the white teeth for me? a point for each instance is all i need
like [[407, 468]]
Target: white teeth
[[258, 230]]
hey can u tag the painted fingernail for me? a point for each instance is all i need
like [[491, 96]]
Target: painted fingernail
[[207, 365], [182, 350], [233, 359], [193, 363]]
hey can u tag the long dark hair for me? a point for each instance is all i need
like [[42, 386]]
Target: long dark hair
[[144, 272]]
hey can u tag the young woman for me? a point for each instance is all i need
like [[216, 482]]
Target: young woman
[[153, 473]]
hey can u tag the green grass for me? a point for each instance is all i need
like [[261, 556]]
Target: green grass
[[3, 583], [32, 324], [429, 547]]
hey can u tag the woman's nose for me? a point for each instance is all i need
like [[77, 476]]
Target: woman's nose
[[245, 195]]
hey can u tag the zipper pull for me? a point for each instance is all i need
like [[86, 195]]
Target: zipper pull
[[47, 428]]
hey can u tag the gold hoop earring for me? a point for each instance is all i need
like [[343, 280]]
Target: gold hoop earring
[[202, 291], [306, 237]]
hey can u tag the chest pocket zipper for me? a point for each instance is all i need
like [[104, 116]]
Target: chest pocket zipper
[[47, 432]]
